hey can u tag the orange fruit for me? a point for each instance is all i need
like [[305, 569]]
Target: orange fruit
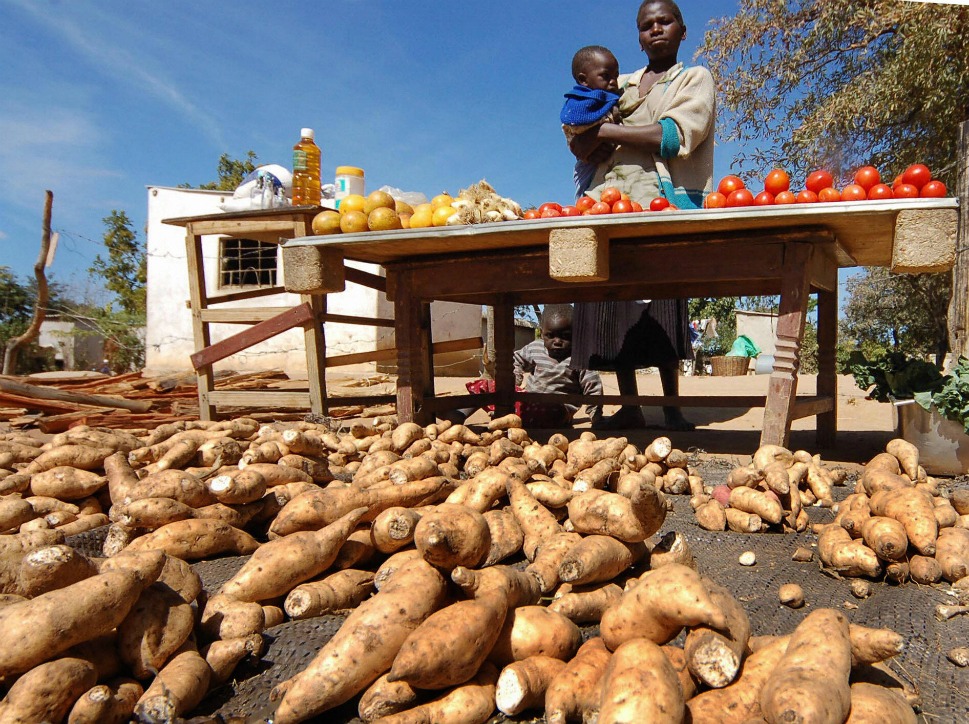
[[383, 219], [441, 214], [403, 207], [326, 222], [423, 217], [444, 199], [379, 200], [353, 202], [405, 220], [353, 221]]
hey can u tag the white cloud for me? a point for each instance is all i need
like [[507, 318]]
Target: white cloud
[[128, 66]]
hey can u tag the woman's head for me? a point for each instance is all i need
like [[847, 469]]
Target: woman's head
[[661, 29]]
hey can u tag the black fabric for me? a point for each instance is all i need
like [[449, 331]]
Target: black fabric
[[623, 335]]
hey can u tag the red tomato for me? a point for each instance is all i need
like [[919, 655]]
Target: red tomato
[[714, 200], [776, 182], [818, 180], [570, 211], [917, 174], [905, 191], [584, 203], [853, 192], [764, 198], [729, 184], [600, 207], [934, 190], [829, 194], [549, 205], [784, 198], [898, 180], [740, 197], [867, 176], [659, 203], [880, 192], [549, 214], [636, 206], [622, 206], [610, 194], [531, 214], [807, 196]]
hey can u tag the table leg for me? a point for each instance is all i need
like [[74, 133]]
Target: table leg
[[795, 288], [504, 357], [204, 378], [314, 339], [827, 422], [412, 334]]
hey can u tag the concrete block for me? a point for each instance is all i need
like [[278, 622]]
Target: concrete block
[[313, 270], [578, 255], [925, 241]]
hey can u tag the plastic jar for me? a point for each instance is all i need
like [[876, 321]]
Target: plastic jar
[[349, 180]]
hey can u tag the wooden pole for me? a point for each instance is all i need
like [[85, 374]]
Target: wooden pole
[[959, 303], [43, 294], [46, 393]]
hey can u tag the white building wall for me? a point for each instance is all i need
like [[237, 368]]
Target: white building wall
[[169, 339]]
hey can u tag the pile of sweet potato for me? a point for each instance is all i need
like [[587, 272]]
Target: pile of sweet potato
[[769, 494], [896, 523], [412, 530]]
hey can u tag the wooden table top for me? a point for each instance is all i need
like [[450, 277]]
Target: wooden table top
[[864, 230]]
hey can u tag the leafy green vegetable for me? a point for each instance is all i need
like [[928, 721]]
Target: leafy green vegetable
[[894, 376]]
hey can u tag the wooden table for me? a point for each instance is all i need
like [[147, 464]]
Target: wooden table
[[791, 251]]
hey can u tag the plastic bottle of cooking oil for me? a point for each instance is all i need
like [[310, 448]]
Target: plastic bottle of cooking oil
[[306, 170]]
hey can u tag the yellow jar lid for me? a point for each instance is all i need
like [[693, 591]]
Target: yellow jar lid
[[349, 171]]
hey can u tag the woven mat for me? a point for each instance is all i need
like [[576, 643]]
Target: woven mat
[[907, 609]]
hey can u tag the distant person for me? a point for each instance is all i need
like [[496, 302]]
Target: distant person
[[591, 102], [544, 366], [105, 367]]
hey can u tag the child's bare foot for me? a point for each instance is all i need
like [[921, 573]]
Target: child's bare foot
[[675, 420]]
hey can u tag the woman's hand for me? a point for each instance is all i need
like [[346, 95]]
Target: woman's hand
[[588, 147]]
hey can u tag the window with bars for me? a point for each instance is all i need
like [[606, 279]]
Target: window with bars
[[247, 263]]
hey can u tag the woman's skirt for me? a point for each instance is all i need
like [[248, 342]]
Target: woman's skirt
[[624, 335]]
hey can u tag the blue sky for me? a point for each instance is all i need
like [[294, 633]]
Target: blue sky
[[103, 98]]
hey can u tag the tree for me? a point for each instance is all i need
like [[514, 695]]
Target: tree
[[125, 271], [842, 83], [897, 313], [231, 172]]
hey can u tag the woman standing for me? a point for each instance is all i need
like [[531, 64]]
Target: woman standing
[[664, 147]]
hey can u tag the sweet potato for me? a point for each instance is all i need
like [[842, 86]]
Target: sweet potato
[[522, 684], [640, 685], [914, 510], [193, 540], [39, 629], [67, 483], [740, 521], [111, 703], [629, 519], [821, 485], [740, 701], [178, 688], [318, 470], [767, 454], [74, 456], [179, 576], [598, 558], [945, 515], [227, 618], [584, 454], [383, 698], [776, 477], [321, 506], [575, 689], [659, 606], [871, 704], [423, 663], [155, 628], [810, 682], [393, 529], [150, 513], [744, 476], [885, 536], [754, 501], [538, 524], [837, 550], [586, 605], [853, 511], [532, 631], [14, 512], [365, 645], [506, 535], [712, 656], [470, 703], [710, 515], [83, 523], [223, 656], [47, 569], [548, 559], [47, 692], [453, 535], [952, 553], [337, 592], [924, 569], [907, 455], [277, 566]]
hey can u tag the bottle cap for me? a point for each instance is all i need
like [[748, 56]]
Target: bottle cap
[[306, 133], [349, 171]]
